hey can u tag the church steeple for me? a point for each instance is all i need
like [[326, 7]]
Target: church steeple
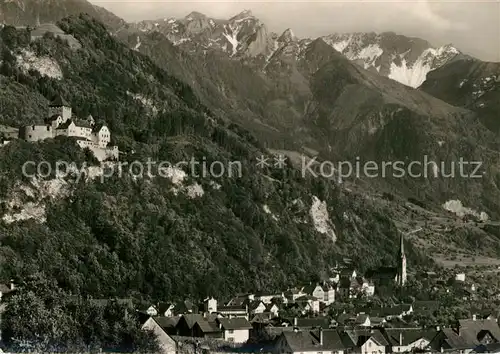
[[401, 278]]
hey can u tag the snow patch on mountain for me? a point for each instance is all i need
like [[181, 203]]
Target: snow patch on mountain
[[321, 219], [368, 54], [28, 60], [410, 75], [232, 37], [339, 46]]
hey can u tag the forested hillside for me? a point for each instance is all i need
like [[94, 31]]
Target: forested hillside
[[139, 236]]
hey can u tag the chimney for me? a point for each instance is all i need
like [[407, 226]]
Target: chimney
[[400, 338], [320, 336]]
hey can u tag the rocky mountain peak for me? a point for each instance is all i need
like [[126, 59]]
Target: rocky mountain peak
[[287, 36], [245, 14], [399, 57], [195, 15]]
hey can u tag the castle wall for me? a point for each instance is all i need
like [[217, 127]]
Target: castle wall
[[100, 153], [37, 132], [81, 132]]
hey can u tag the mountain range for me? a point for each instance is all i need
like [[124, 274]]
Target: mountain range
[[404, 59], [232, 90]]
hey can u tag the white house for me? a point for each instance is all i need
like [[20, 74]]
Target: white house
[[329, 294], [372, 346], [152, 311], [210, 305], [408, 340], [310, 303], [316, 291], [235, 330], [274, 309], [363, 320], [166, 309], [257, 307], [167, 344]]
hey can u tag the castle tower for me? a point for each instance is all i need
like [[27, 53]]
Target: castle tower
[[401, 277], [60, 107]]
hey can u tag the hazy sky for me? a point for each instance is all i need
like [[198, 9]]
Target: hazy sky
[[472, 26]]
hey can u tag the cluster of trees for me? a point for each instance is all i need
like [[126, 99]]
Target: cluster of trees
[[40, 316]]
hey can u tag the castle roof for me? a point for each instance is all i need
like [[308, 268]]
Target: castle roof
[[51, 118], [82, 123], [58, 101], [97, 127], [65, 125]]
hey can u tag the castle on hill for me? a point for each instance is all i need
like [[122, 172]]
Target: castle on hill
[[61, 121]]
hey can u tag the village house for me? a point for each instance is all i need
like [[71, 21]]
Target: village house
[[369, 341], [257, 307], [185, 307], [304, 323], [273, 308], [168, 324], [309, 342], [293, 294], [166, 309], [267, 298], [405, 340], [329, 294], [210, 305], [233, 311], [61, 121], [241, 299], [235, 330], [195, 325], [264, 317], [465, 337], [362, 320], [397, 311], [151, 311], [315, 291], [309, 303], [167, 344]]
